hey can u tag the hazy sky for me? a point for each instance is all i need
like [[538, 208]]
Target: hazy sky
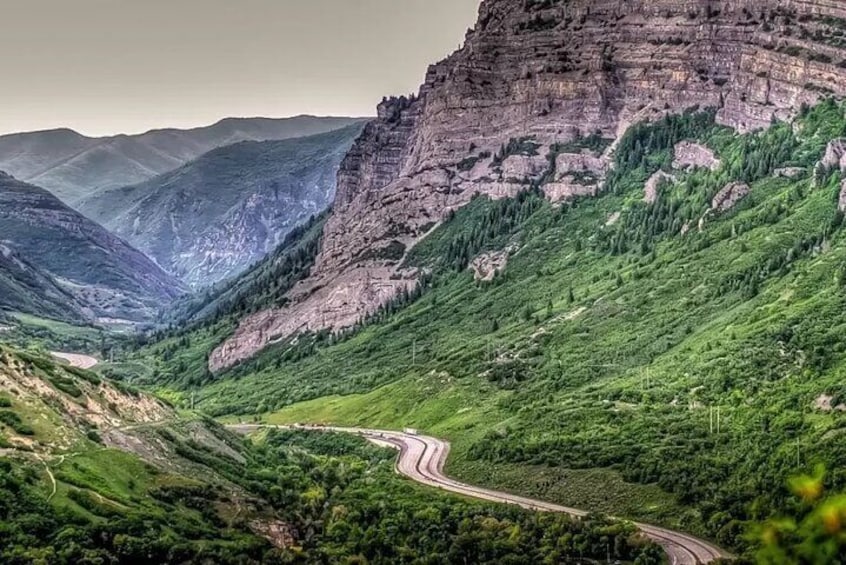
[[109, 66]]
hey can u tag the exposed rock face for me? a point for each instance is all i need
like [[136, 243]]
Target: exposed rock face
[[577, 174], [835, 158], [548, 72], [835, 155], [692, 155], [789, 172], [728, 197], [487, 265], [650, 191], [278, 533], [825, 403]]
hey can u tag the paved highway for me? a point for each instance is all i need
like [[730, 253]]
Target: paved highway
[[422, 458]]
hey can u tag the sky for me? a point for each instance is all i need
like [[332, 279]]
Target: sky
[[126, 66]]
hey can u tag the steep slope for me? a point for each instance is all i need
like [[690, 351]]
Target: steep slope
[[25, 288], [83, 454], [513, 108], [102, 271], [73, 166], [215, 216], [199, 322], [675, 359]]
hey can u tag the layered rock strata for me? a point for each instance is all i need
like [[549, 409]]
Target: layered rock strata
[[533, 77]]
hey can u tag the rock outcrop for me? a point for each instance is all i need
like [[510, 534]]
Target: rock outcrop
[[835, 155], [729, 196], [835, 159], [533, 75], [689, 155], [577, 174], [486, 266], [789, 172], [651, 189]]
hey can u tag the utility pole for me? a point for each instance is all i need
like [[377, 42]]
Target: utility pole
[[711, 420], [414, 353]]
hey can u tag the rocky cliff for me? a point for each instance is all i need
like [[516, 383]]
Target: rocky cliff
[[537, 80]]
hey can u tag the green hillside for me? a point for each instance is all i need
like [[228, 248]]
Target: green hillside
[[690, 374], [196, 324], [92, 471]]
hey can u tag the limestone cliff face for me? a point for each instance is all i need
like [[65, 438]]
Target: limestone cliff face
[[533, 77]]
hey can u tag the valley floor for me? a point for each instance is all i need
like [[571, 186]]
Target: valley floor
[[422, 458]]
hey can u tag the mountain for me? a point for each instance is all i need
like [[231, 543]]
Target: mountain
[[602, 252], [96, 451], [669, 350], [105, 273], [25, 288], [73, 166], [533, 82], [219, 214]]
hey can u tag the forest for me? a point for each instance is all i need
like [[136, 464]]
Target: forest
[[337, 497]]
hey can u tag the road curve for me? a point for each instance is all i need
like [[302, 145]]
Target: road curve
[[422, 459], [76, 359]]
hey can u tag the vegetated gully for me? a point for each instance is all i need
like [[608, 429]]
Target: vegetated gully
[[422, 459]]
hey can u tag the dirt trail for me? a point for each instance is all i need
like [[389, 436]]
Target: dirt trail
[[422, 458], [49, 474]]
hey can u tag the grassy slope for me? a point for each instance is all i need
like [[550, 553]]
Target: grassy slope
[[745, 316], [182, 489]]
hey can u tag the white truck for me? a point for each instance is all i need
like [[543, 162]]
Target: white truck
[[410, 431]]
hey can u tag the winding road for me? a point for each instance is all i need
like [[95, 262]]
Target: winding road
[[422, 459]]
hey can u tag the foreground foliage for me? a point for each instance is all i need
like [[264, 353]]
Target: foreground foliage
[[336, 499]]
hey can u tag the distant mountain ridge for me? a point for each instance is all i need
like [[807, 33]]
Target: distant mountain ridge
[[99, 270], [26, 288], [217, 215], [73, 166]]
